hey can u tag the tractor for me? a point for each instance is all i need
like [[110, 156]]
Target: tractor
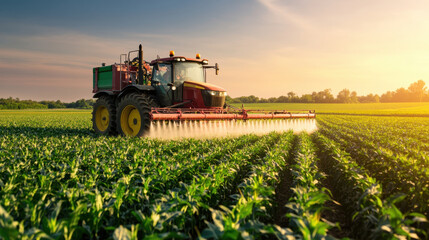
[[133, 94]]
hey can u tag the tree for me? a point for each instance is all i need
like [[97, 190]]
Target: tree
[[401, 95], [228, 99], [306, 98], [292, 97], [353, 97], [327, 95], [272, 99], [263, 100], [344, 96], [370, 98], [282, 99], [11, 103], [417, 90], [376, 98], [387, 97]]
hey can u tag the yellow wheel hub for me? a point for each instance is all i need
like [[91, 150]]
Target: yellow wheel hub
[[130, 121], [102, 118]]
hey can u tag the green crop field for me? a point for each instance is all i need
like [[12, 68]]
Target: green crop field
[[400, 109], [361, 177]]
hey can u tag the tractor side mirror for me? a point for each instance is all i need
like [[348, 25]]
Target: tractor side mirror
[[217, 68]]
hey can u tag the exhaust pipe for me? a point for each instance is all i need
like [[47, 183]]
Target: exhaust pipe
[[140, 76]]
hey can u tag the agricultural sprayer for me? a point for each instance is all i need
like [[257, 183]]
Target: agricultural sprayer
[[170, 98]]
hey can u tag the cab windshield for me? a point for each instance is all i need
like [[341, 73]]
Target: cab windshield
[[162, 73], [188, 71]]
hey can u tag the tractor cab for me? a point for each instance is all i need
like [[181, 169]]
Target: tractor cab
[[181, 82]]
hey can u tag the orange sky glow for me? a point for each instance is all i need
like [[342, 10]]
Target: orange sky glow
[[266, 48]]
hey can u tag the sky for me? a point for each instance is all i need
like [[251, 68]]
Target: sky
[[265, 48]]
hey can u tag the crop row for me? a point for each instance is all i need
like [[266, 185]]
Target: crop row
[[71, 171], [412, 168], [403, 128], [309, 197], [252, 208], [361, 195], [56, 165], [250, 216], [176, 213], [46, 124], [89, 194], [59, 181], [394, 134], [396, 172]]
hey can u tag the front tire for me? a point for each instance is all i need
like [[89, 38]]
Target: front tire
[[104, 116], [133, 118]]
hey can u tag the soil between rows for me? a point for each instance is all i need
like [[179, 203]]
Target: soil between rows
[[334, 212], [284, 190]]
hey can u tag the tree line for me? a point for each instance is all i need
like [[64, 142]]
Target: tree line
[[16, 103], [416, 92]]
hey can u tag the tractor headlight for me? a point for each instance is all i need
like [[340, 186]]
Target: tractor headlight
[[213, 93], [216, 93], [213, 98]]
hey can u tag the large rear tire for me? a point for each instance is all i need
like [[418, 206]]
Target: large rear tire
[[153, 102], [104, 116], [133, 118]]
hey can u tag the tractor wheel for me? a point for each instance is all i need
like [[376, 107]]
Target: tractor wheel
[[153, 102], [104, 116], [133, 117]]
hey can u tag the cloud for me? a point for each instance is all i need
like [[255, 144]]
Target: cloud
[[52, 65], [33, 65], [287, 46], [286, 14]]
